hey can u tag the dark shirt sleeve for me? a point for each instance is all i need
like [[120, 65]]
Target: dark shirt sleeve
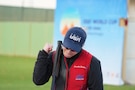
[[95, 79], [43, 68]]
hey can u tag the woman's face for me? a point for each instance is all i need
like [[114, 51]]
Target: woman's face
[[68, 53]]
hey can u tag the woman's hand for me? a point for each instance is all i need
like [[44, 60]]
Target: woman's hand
[[48, 47]]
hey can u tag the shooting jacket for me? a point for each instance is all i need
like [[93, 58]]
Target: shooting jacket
[[76, 76], [81, 72]]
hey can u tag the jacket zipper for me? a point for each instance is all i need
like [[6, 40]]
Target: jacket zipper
[[67, 74]]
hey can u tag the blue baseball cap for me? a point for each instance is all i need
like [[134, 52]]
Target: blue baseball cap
[[75, 38]]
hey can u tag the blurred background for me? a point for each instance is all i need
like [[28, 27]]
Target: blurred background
[[26, 25]]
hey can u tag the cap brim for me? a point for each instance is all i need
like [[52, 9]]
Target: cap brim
[[72, 46]]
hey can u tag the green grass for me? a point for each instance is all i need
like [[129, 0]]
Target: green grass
[[16, 74]]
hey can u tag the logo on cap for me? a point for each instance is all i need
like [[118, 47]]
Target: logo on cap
[[75, 37]]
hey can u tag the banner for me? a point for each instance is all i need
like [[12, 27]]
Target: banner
[[105, 36]]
